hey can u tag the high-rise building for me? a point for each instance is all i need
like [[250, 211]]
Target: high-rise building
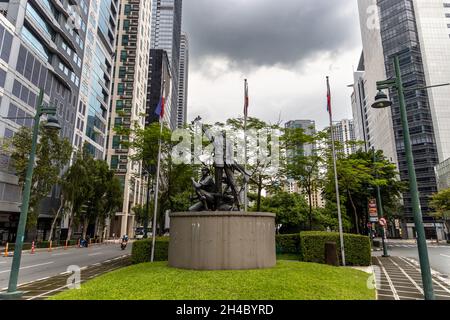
[[418, 31], [374, 126], [344, 132], [183, 81], [128, 106], [43, 48], [309, 128], [91, 127], [159, 83], [166, 35]]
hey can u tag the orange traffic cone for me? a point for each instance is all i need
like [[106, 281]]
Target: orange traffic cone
[[50, 247], [6, 250]]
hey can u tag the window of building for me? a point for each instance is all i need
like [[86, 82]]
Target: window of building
[[114, 162]]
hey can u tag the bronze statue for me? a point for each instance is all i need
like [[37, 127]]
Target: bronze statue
[[205, 190], [211, 194]]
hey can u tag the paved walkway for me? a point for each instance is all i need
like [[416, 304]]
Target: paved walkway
[[399, 278], [45, 288]]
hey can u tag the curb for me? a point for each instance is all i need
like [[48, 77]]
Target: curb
[[10, 253]]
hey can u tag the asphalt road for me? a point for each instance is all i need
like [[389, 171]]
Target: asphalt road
[[439, 255], [46, 264]]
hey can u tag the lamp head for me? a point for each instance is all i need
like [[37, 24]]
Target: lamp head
[[52, 124], [381, 101]]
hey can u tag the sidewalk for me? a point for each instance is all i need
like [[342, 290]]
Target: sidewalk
[[399, 278]]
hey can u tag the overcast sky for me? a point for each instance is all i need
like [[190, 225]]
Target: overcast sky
[[285, 48]]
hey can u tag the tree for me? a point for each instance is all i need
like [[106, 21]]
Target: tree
[[263, 174], [105, 198], [175, 180], [440, 203], [359, 176], [52, 155], [291, 210], [77, 187], [300, 166]]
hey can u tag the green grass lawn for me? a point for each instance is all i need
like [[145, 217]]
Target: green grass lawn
[[289, 280]]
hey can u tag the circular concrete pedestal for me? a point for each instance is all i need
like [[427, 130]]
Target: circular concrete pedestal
[[222, 240]]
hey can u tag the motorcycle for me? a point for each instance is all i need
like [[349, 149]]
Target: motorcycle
[[123, 245]]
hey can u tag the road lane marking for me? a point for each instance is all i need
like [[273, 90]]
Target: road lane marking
[[95, 254], [59, 254], [33, 266], [444, 255]]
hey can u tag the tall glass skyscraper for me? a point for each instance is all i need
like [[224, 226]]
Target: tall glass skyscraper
[[418, 31], [166, 35], [183, 81]]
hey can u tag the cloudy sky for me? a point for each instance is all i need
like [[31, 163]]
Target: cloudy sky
[[285, 48]]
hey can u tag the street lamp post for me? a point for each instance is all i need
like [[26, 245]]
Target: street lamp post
[[380, 209], [382, 101], [12, 292]]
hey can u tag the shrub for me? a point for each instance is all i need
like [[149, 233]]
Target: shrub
[[357, 247], [288, 243], [142, 249]]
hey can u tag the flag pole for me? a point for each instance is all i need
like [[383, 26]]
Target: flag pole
[[158, 169], [245, 144], [338, 199]]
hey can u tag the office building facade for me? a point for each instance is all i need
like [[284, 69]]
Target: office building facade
[[183, 81], [166, 35], [46, 44], [344, 133], [418, 32], [128, 107], [159, 85]]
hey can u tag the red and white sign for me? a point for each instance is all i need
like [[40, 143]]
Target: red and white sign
[[383, 222]]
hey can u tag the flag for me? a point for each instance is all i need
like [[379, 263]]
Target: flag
[[160, 108], [328, 96], [246, 101]]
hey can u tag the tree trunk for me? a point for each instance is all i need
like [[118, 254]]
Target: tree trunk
[[97, 227], [354, 212], [50, 238], [85, 226], [310, 209], [69, 227]]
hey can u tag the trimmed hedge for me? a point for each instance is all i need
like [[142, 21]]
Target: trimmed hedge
[[142, 249], [357, 247], [288, 243]]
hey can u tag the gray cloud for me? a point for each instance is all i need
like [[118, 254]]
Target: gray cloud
[[254, 33]]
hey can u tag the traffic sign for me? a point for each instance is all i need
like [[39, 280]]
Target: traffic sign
[[383, 222]]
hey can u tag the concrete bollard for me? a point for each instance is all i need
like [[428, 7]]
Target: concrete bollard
[[50, 247], [331, 256], [66, 245], [33, 248]]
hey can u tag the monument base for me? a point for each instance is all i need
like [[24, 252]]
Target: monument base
[[222, 240]]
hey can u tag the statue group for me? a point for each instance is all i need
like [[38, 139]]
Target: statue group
[[219, 192]]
